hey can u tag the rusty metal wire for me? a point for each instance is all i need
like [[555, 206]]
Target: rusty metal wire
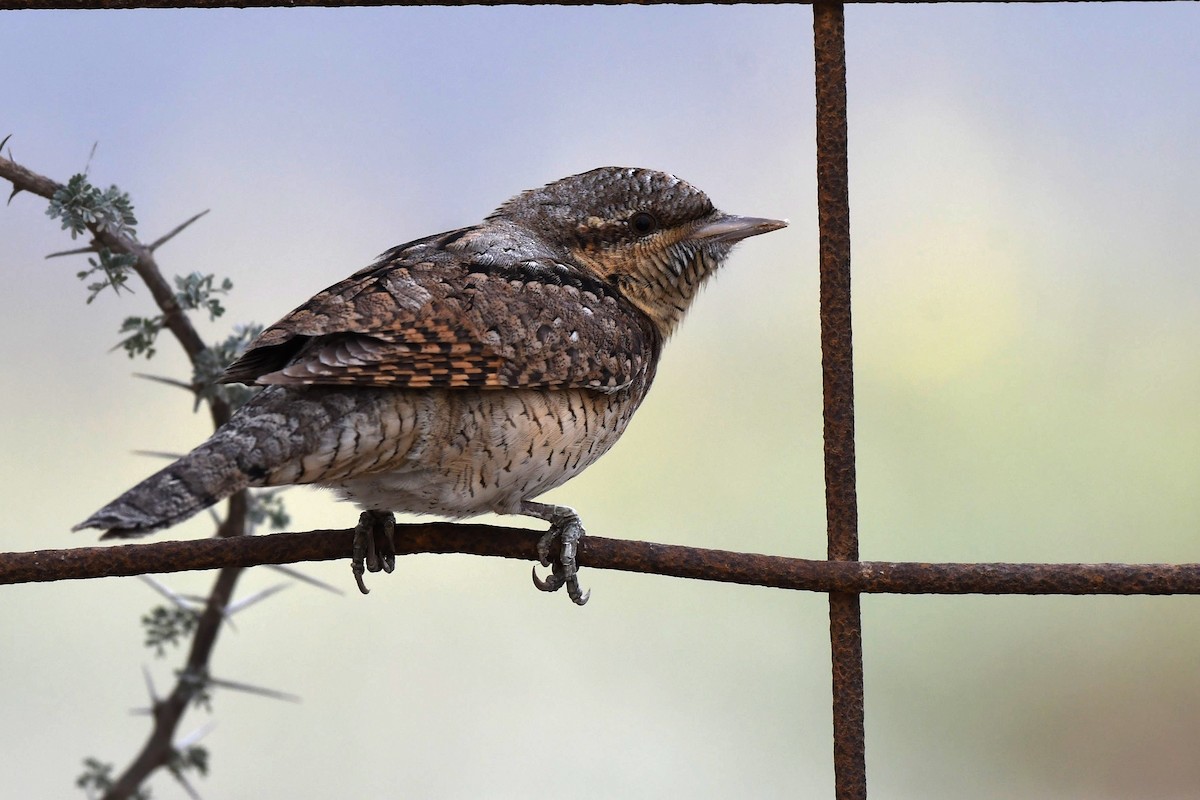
[[125, 4], [842, 576], [600, 553], [837, 369]]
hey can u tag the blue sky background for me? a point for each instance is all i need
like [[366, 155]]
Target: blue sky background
[[1024, 184]]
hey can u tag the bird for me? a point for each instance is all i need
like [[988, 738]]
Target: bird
[[466, 372]]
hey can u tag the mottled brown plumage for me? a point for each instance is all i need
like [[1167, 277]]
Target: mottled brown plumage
[[433, 314], [465, 372]]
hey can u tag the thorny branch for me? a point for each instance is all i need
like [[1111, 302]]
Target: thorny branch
[[25, 180], [159, 749]]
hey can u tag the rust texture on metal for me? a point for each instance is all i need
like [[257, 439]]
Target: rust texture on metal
[[837, 369], [833, 214], [125, 4], [599, 553], [849, 728]]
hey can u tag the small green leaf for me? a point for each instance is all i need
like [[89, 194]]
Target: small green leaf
[[267, 506], [192, 758], [142, 333], [81, 205], [114, 268], [196, 291], [168, 625], [211, 363]]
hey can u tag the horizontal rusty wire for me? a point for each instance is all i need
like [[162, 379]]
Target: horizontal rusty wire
[[126, 4], [599, 553]]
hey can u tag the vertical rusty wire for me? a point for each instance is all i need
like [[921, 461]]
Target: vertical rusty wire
[[837, 366]]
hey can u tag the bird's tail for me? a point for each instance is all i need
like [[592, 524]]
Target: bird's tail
[[281, 436], [246, 451], [203, 477]]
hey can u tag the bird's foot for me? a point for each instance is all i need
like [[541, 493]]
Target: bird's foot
[[567, 527], [374, 545]]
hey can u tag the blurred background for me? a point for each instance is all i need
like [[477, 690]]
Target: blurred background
[[1024, 195]]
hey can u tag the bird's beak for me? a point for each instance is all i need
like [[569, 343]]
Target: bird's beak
[[733, 229]]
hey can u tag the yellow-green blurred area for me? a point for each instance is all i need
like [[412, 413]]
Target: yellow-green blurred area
[[1026, 296]]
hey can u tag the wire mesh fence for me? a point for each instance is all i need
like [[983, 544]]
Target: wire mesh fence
[[842, 575]]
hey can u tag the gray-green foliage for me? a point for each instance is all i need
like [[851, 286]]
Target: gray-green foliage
[[193, 292], [196, 292], [199, 688], [212, 362], [96, 775], [190, 758], [81, 206], [97, 778], [266, 507], [143, 331], [168, 625], [113, 269]]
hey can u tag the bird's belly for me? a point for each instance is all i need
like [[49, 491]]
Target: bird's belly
[[489, 450]]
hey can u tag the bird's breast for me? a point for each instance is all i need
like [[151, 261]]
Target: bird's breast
[[468, 452]]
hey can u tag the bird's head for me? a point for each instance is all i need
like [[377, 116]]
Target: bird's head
[[654, 237]]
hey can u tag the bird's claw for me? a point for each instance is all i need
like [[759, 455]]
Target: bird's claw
[[547, 585], [356, 567], [374, 545], [555, 581], [564, 570]]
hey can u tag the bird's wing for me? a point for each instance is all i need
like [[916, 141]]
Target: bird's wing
[[436, 321]]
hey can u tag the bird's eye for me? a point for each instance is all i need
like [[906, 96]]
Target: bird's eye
[[643, 223]]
